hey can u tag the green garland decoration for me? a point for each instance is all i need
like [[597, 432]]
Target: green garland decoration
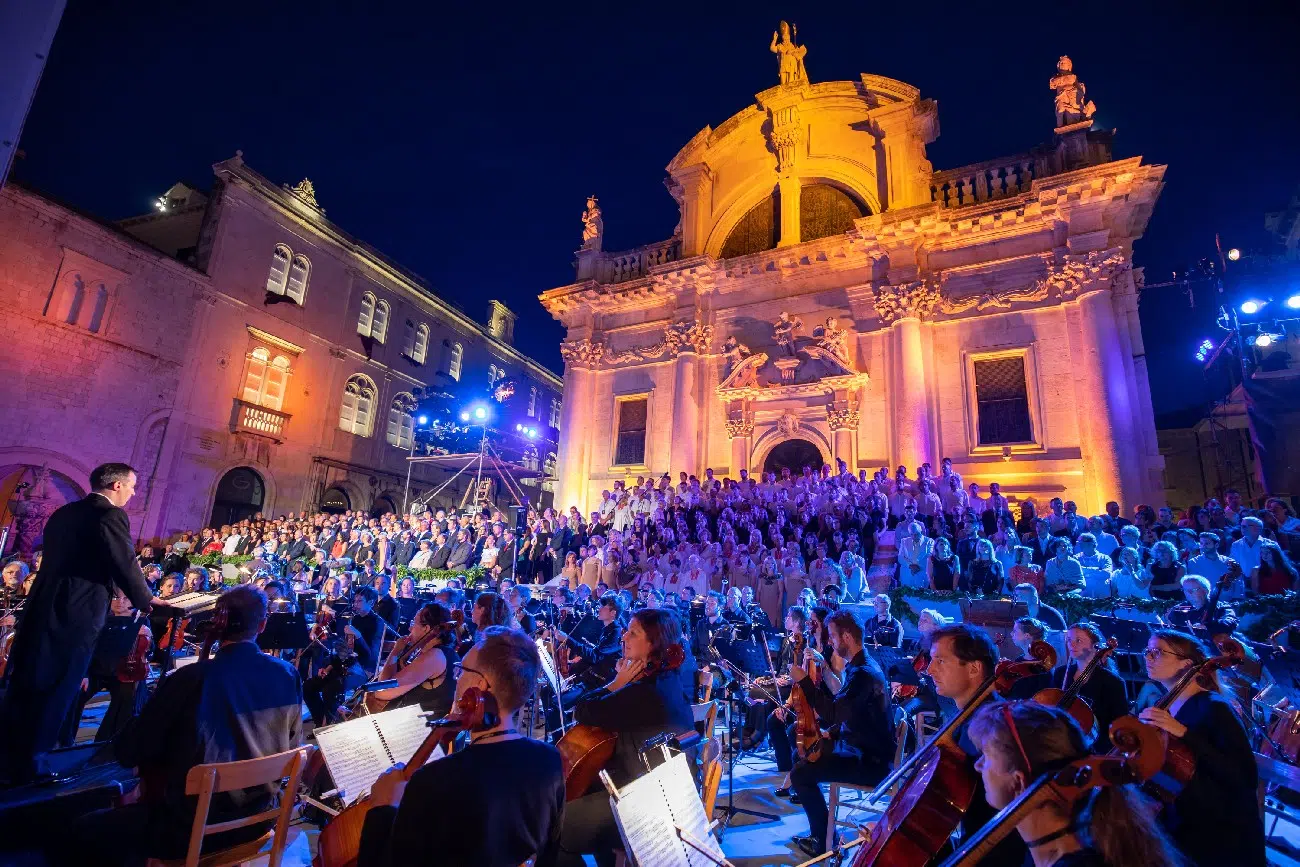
[[469, 576], [216, 561]]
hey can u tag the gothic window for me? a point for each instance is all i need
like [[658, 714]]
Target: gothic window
[[279, 275], [296, 288], [401, 424], [357, 410], [629, 445], [756, 231], [367, 318], [453, 367], [555, 413], [1002, 402], [379, 327], [421, 350], [532, 402], [825, 210], [265, 382]]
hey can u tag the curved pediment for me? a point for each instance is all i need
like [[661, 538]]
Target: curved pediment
[[811, 368]]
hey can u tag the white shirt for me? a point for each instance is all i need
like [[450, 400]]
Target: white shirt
[[1126, 585], [1096, 570], [1247, 554], [232, 542]]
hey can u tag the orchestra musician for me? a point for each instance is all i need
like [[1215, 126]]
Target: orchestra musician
[[1104, 690], [884, 629], [1215, 818], [780, 720], [708, 626], [109, 671], [1018, 742], [857, 718], [646, 698], [422, 663], [497, 802], [962, 658], [354, 661], [241, 704], [88, 554], [1198, 612]]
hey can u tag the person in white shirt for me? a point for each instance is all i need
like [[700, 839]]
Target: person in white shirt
[[1062, 573], [974, 501], [1246, 549], [232, 543], [421, 558], [913, 551], [1104, 542], [1209, 563], [1096, 567], [1130, 579]]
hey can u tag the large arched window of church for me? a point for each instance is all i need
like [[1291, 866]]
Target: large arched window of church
[[825, 210], [358, 408], [757, 230]]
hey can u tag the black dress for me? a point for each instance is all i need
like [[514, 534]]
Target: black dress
[[1104, 693], [435, 698]]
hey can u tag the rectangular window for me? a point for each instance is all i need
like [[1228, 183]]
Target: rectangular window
[[629, 449], [1002, 402]]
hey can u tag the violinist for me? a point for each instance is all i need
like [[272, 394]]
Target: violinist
[[1018, 742], [595, 663], [122, 674], [646, 698], [496, 803], [962, 658], [708, 627], [422, 661], [857, 718], [1198, 612], [355, 659], [884, 630], [1215, 818], [519, 598], [780, 720], [1104, 690]]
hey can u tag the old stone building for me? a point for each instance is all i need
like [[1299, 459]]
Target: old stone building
[[829, 295], [239, 348]]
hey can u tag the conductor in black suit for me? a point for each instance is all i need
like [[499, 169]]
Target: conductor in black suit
[[88, 552]]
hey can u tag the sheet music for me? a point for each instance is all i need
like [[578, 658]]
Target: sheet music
[[403, 731], [650, 809], [687, 809], [354, 755]]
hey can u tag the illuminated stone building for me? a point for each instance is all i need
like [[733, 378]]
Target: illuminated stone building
[[828, 294], [238, 347]]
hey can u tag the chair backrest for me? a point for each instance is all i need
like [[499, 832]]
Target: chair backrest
[[707, 713], [704, 678], [711, 774], [208, 780]]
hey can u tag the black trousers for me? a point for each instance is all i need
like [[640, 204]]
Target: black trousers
[[323, 694], [125, 701], [833, 767], [32, 720], [782, 736], [589, 829]]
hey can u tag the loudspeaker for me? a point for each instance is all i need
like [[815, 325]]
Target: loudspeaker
[[521, 519]]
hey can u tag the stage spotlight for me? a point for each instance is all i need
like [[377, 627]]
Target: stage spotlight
[[464, 416], [480, 413], [1251, 307], [1234, 254], [532, 433], [1264, 340], [424, 419], [1293, 302], [1204, 349]]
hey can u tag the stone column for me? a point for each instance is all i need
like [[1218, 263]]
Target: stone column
[[842, 418], [576, 412], [686, 414], [741, 433], [1108, 445], [790, 187], [903, 306]]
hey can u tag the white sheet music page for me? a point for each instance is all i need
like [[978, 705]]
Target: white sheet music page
[[686, 809], [646, 826], [354, 755], [403, 730]]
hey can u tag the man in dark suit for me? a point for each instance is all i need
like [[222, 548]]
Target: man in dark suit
[[241, 704], [441, 551], [460, 551], [88, 553]]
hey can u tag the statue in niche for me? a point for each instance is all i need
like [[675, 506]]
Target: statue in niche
[[593, 226], [1072, 103], [783, 331], [833, 339], [735, 352], [789, 56]]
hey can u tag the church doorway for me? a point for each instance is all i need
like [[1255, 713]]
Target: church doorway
[[239, 495], [795, 455], [335, 502]]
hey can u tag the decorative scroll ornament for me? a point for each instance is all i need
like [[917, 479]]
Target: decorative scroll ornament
[[916, 300], [788, 424], [1065, 279], [306, 191], [845, 418], [582, 353], [740, 427]]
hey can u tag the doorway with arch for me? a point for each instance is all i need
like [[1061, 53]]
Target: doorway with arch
[[240, 494], [793, 454]]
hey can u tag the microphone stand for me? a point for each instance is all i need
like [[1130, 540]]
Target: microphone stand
[[733, 749]]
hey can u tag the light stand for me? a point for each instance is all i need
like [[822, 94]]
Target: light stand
[[733, 748]]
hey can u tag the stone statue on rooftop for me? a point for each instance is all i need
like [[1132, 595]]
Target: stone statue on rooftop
[[734, 351], [783, 331], [593, 226], [1072, 103], [789, 56], [833, 339]]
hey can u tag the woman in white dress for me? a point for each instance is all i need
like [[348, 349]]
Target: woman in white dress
[[884, 562]]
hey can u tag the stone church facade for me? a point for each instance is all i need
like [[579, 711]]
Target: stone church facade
[[828, 295]]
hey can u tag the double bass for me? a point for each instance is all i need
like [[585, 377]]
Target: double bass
[[938, 785]]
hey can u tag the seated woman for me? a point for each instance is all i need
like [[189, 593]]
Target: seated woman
[[422, 663], [1019, 741], [1104, 690], [645, 699]]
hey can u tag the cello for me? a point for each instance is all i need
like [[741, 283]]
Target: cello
[[1069, 700], [340, 839], [938, 785]]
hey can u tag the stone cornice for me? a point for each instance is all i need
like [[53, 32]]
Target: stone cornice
[[825, 386], [684, 336]]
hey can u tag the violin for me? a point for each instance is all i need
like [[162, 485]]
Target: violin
[[340, 840], [1165, 762], [398, 660], [808, 736], [135, 666], [173, 637], [1070, 701], [937, 782]]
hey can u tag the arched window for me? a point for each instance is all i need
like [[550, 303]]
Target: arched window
[[532, 402], [379, 327], [299, 269], [457, 354], [78, 299], [279, 275], [265, 383], [421, 343], [367, 318], [401, 425], [358, 408]]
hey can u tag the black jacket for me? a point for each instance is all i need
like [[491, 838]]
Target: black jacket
[[403, 552], [88, 552], [651, 706], [440, 555], [858, 716]]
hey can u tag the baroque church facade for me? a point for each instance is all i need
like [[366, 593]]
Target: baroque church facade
[[828, 295]]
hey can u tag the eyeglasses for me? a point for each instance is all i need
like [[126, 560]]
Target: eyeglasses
[[1154, 653], [460, 668]]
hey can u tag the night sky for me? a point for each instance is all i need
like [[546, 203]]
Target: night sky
[[462, 142]]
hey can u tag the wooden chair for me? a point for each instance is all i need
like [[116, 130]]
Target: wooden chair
[[208, 780], [707, 713], [834, 802], [711, 760]]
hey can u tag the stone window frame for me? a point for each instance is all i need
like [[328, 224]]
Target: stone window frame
[[84, 293], [457, 361], [646, 459], [1033, 398], [401, 421], [416, 343], [357, 385], [556, 407]]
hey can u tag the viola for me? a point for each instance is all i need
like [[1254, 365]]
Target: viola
[[1070, 701], [135, 666], [340, 839], [808, 736], [937, 781]]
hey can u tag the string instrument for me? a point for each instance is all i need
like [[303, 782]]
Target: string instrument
[[585, 750], [1069, 700], [1172, 763], [135, 666], [173, 637], [396, 661], [808, 736], [937, 781], [904, 691], [340, 839]]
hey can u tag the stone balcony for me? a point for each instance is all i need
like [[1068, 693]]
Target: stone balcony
[[620, 267], [258, 420]]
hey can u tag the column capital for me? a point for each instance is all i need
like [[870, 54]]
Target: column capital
[[842, 417], [582, 353], [740, 427], [916, 299]]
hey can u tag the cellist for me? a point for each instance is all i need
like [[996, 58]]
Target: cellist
[[962, 658], [858, 721]]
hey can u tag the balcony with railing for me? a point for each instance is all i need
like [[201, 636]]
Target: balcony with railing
[[986, 181], [625, 265], [253, 419]]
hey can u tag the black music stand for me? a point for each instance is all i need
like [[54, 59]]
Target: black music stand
[[736, 699], [284, 631]]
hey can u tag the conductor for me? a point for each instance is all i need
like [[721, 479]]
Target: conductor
[[88, 552]]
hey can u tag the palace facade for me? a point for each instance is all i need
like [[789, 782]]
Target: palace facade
[[237, 347], [828, 295]]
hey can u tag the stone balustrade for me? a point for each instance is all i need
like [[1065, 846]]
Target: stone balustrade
[[983, 182], [627, 265], [251, 418]]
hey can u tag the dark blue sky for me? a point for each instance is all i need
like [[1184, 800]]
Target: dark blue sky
[[463, 141]]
